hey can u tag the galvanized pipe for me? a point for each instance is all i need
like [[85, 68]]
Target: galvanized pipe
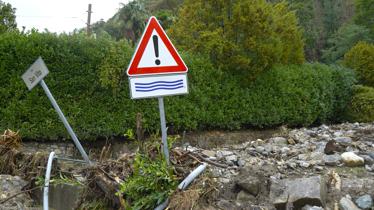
[[46, 181], [184, 184], [163, 205]]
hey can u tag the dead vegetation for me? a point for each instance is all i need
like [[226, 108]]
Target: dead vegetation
[[10, 139], [104, 179], [16, 163]]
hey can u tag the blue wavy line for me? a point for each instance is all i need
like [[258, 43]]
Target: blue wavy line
[[159, 85], [160, 88], [151, 83]]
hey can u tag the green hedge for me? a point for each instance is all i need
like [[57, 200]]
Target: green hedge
[[81, 70], [361, 108]]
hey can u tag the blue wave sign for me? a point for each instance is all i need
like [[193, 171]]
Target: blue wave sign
[[157, 86]]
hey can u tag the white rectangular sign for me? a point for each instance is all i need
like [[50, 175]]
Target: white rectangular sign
[[158, 85], [37, 71]]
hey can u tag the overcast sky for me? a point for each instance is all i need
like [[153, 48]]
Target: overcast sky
[[61, 15]]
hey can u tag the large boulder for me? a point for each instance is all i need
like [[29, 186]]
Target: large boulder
[[298, 192], [351, 159]]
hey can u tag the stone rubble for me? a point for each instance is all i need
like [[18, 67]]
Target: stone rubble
[[9, 186], [291, 170]]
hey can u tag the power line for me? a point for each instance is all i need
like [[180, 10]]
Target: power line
[[32, 16]]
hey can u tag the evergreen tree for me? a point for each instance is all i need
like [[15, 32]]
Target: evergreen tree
[[365, 14], [341, 41], [7, 17], [240, 35]]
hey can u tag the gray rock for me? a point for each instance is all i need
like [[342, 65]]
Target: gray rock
[[317, 158], [343, 140], [243, 196], [369, 168], [285, 150], [292, 165], [351, 149], [358, 185], [231, 159], [268, 148], [304, 164], [320, 146], [241, 163], [209, 153], [308, 207], [368, 160], [338, 133], [299, 135], [278, 140], [325, 137], [347, 204], [225, 204], [221, 154], [250, 184], [364, 202], [302, 157], [332, 160], [351, 159], [10, 185], [299, 191], [260, 149], [371, 154]]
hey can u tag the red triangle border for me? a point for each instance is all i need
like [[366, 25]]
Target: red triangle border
[[134, 70]]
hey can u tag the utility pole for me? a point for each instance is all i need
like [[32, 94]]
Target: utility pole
[[89, 20]]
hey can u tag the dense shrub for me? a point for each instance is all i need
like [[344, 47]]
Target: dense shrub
[[84, 72], [361, 108], [361, 59], [293, 95], [245, 36]]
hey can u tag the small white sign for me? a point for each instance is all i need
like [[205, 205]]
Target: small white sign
[[37, 71], [158, 85]]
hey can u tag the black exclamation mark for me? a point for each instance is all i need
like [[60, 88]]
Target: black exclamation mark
[[155, 44]]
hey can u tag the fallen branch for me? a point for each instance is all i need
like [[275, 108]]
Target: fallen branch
[[212, 162], [19, 193]]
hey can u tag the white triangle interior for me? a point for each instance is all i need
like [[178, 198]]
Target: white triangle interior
[[149, 56]]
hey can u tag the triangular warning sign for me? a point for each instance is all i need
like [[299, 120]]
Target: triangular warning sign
[[155, 53]]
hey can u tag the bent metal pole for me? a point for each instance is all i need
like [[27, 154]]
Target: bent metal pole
[[64, 121]]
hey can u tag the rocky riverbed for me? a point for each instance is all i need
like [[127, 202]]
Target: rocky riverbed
[[325, 167]]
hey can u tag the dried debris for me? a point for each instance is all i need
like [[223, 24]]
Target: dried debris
[[10, 139]]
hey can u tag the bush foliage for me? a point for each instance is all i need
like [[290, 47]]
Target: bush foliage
[[361, 59], [361, 108], [85, 71], [245, 36]]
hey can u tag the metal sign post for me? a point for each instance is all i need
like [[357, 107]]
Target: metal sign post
[[157, 70], [64, 121], [163, 129], [33, 76]]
